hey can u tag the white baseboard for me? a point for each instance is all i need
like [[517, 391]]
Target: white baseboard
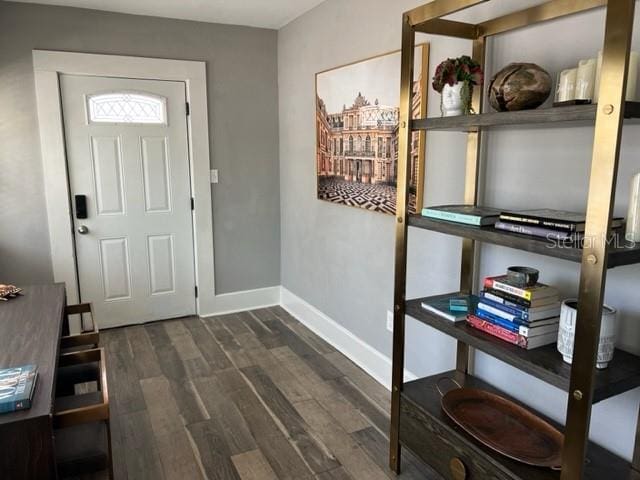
[[241, 301], [361, 353]]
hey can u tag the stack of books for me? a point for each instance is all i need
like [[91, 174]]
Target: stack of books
[[17, 385], [528, 317], [557, 225]]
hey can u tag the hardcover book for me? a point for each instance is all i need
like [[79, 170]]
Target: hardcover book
[[441, 306], [492, 329], [531, 332], [467, 214], [529, 343], [502, 283], [519, 321], [17, 385], [525, 330], [511, 300], [573, 239], [501, 322], [514, 338], [552, 219], [535, 231], [520, 313]]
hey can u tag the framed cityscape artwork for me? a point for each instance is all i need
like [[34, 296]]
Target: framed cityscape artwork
[[357, 110]]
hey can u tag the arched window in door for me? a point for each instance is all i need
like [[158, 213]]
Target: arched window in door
[[127, 107]]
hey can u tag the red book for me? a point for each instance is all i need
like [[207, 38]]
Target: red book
[[512, 337], [493, 329]]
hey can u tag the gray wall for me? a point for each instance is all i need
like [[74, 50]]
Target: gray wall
[[243, 115], [340, 259]]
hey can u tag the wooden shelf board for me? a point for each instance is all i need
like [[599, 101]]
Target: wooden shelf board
[[420, 403], [623, 255], [573, 113], [544, 363]]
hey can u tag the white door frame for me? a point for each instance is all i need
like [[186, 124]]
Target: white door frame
[[48, 66]]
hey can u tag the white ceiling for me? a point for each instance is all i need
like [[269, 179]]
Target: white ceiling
[[255, 13]]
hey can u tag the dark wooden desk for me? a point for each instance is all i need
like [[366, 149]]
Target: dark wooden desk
[[30, 328]]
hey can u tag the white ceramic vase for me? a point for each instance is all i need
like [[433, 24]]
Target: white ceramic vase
[[452, 100], [566, 335]]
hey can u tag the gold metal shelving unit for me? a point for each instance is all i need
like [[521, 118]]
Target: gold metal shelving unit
[[581, 380]]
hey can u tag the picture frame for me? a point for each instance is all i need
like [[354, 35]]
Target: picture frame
[[357, 110]]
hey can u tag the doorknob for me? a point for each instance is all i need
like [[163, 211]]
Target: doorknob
[[83, 230]]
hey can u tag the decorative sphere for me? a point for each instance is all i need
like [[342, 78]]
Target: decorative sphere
[[519, 86]]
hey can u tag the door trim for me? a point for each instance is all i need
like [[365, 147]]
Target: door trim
[[48, 66]]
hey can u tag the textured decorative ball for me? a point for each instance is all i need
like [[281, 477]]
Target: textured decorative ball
[[519, 86]]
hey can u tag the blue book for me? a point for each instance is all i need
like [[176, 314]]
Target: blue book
[[509, 312], [513, 312], [511, 326], [467, 214], [17, 385], [501, 298]]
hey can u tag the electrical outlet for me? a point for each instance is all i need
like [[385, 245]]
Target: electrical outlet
[[390, 320], [214, 176]]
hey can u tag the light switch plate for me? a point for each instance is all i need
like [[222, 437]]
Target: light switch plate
[[390, 320], [214, 176]]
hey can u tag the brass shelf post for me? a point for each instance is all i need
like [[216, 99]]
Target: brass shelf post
[[602, 189]]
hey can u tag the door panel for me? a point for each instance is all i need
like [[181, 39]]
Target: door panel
[[161, 261], [155, 167], [127, 152], [107, 175], [116, 272]]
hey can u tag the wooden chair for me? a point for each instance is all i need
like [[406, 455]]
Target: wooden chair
[[81, 419], [87, 338]]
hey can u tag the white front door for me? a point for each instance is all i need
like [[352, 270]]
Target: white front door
[[127, 152]]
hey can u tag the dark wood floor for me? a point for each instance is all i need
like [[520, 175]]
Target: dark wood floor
[[248, 396]]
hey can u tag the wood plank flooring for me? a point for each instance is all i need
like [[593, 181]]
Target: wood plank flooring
[[247, 396]]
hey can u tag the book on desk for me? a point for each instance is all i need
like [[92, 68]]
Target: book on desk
[[17, 385]]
